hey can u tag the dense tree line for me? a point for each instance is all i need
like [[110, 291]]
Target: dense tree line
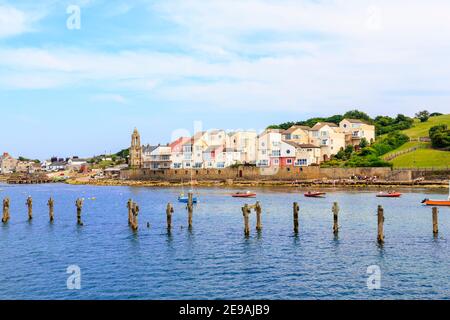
[[383, 124]]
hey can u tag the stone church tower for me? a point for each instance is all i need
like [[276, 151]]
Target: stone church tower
[[135, 150]]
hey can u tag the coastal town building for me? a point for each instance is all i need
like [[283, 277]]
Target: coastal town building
[[177, 152], [136, 150], [355, 130], [329, 137], [244, 142], [160, 158], [297, 134], [297, 146], [7, 163], [76, 164], [269, 148], [27, 166]]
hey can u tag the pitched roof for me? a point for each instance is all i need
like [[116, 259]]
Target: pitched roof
[[148, 148], [293, 128], [355, 120], [320, 125]]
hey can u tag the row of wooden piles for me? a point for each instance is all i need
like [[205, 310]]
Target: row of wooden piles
[[133, 212]]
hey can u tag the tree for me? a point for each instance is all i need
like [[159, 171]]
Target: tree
[[440, 136], [356, 114], [423, 116], [363, 143]]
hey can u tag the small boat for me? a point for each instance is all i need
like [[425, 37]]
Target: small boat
[[247, 194], [431, 202], [391, 194], [315, 194], [185, 199]]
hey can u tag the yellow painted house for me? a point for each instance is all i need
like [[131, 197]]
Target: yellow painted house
[[355, 130]]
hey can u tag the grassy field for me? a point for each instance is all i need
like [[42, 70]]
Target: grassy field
[[421, 129], [424, 157]]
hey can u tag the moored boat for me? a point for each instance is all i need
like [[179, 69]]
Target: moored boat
[[391, 194], [315, 194], [433, 202], [184, 199], [430, 202], [247, 194]]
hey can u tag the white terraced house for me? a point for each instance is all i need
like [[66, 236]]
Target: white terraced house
[[160, 158], [193, 151], [246, 143], [269, 148]]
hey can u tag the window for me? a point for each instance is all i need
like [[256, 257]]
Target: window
[[288, 136], [289, 161], [288, 151], [276, 153], [301, 162], [276, 161], [297, 137]]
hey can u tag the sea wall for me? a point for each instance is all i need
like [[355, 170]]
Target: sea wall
[[280, 174]]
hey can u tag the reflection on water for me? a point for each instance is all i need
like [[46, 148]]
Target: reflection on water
[[214, 260]]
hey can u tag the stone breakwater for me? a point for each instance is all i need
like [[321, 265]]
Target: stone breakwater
[[259, 183]]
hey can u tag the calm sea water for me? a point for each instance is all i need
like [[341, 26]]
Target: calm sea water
[[215, 260]]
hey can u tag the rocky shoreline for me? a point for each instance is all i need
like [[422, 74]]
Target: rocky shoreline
[[260, 183]]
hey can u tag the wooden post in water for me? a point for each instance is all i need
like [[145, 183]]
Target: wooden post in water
[[246, 213], [50, 204], [79, 205], [29, 204], [435, 221], [190, 208], [5, 217], [169, 211], [258, 210], [335, 218], [130, 214], [380, 215], [296, 208], [135, 212]]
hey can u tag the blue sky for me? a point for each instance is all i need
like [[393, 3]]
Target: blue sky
[[161, 65]]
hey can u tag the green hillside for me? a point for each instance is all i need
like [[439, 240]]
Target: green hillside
[[421, 129], [424, 156]]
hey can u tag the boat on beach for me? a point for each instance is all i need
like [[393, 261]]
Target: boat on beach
[[432, 202], [315, 194], [390, 194], [247, 194]]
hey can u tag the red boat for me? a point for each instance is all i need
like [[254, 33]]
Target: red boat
[[315, 194], [389, 195], [247, 194]]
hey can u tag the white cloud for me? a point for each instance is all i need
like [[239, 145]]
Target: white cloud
[[14, 21], [266, 55], [110, 97]]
